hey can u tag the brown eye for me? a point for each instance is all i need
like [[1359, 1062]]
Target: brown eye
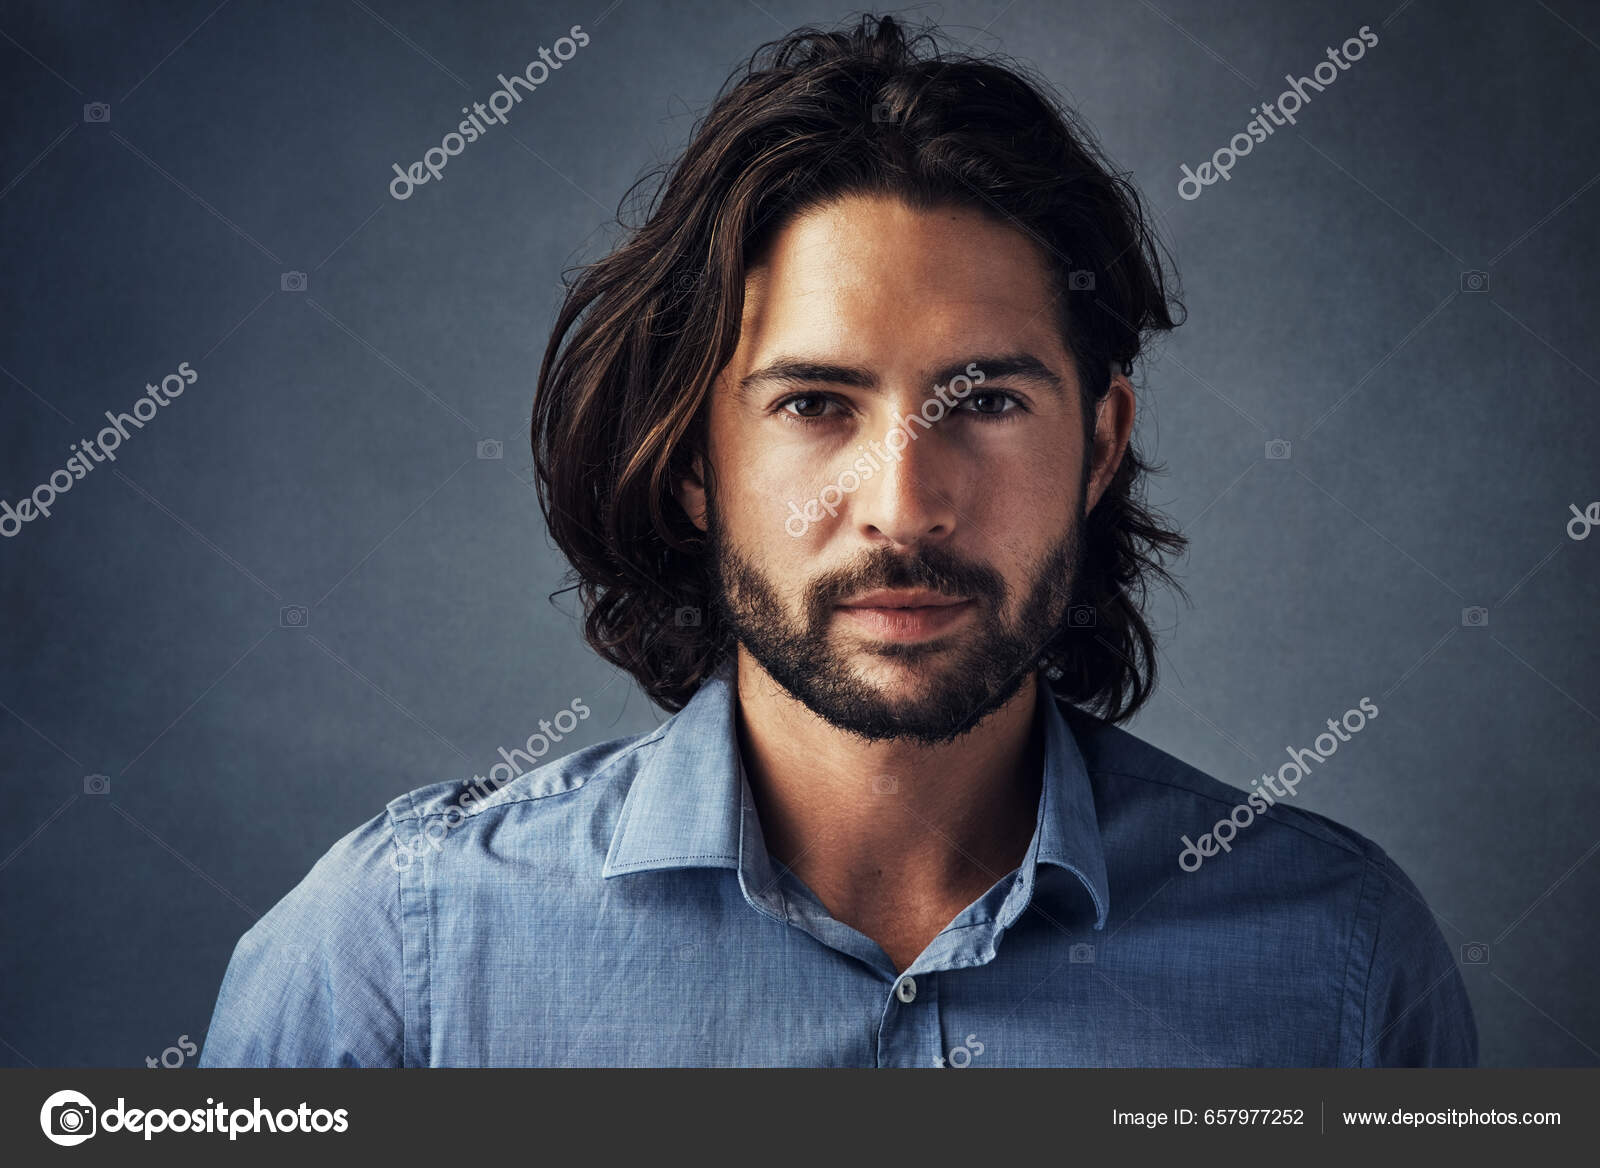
[[806, 406], [992, 404]]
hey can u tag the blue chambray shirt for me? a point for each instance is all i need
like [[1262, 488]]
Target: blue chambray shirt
[[617, 907]]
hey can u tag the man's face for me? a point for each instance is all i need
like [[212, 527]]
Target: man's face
[[897, 579]]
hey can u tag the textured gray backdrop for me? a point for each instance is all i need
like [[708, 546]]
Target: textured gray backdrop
[[328, 456]]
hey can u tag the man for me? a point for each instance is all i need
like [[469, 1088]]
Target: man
[[838, 445]]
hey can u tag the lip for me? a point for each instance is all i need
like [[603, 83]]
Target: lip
[[889, 598], [905, 616]]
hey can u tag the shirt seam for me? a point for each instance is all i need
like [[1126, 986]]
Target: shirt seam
[[400, 917], [1372, 963], [1361, 1001], [659, 860], [1348, 848], [414, 813], [970, 925], [421, 996]]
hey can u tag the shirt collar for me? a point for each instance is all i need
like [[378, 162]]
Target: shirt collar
[[683, 809], [687, 801]]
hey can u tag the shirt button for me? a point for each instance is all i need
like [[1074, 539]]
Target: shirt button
[[906, 990]]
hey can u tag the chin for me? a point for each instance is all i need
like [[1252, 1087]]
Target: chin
[[904, 674]]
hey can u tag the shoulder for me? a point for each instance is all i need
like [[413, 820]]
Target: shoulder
[[549, 804], [333, 973], [358, 873], [351, 885], [1338, 892], [316, 981], [1132, 776]]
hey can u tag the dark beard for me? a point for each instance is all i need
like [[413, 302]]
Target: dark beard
[[976, 679]]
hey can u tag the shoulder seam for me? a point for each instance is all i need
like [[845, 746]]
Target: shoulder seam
[[1352, 849], [415, 814]]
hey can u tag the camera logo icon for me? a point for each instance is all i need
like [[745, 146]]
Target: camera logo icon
[[883, 112], [1081, 954], [97, 111], [885, 784], [96, 784], [490, 448], [687, 281], [68, 1118], [687, 617], [1474, 281], [292, 282], [1279, 449], [1475, 953], [1474, 617], [1082, 616], [1080, 280], [293, 616]]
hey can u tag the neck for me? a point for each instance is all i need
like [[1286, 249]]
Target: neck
[[891, 829]]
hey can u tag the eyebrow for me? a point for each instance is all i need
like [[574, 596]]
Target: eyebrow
[[796, 371]]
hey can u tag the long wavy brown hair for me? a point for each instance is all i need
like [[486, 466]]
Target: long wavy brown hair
[[642, 334]]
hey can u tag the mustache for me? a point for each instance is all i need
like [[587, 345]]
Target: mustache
[[932, 568]]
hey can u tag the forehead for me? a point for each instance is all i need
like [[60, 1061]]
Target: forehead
[[873, 271]]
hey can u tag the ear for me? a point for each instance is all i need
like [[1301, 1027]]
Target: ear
[[1113, 426], [691, 493]]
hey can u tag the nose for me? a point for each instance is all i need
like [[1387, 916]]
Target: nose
[[911, 500]]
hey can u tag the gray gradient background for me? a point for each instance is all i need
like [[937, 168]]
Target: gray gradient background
[[328, 455]]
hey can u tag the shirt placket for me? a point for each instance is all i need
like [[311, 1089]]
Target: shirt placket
[[909, 1034]]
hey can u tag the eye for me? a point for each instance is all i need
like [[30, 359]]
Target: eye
[[993, 404], [805, 407]]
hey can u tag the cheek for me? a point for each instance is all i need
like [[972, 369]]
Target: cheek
[[774, 496], [1030, 494], [766, 500], [1019, 513], [764, 515]]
